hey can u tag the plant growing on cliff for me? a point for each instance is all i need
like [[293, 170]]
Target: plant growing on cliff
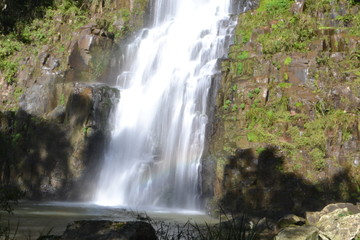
[[287, 61]]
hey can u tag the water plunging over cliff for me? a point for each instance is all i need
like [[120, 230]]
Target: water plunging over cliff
[[159, 124]]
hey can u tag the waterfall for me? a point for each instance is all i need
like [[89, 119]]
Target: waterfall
[[159, 123]]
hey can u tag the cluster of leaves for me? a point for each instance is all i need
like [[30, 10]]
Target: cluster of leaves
[[8, 47], [18, 12], [24, 23]]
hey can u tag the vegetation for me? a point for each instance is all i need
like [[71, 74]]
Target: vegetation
[[9, 196], [26, 26], [301, 119], [229, 227]]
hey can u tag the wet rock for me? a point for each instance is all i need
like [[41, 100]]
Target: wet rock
[[298, 6], [290, 220], [40, 98], [90, 104], [300, 233], [108, 230], [57, 114], [89, 57], [50, 237]]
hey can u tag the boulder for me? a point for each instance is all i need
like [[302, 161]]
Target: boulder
[[314, 217], [305, 232], [103, 230], [291, 220], [338, 221]]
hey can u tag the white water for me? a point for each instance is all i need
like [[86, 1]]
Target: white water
[[159, 124]]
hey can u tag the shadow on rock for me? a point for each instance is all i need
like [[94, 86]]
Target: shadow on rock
[[259, 186]]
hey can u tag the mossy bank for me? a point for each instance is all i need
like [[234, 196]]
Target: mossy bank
[[285, 136], [58, 60]]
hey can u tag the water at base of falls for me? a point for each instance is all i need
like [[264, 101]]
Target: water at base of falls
[[159, 124]]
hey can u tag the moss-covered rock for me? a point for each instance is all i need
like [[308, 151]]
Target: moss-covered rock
[[289, 91]]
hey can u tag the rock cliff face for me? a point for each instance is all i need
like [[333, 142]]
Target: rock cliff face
[[285, 136], [56, 105]]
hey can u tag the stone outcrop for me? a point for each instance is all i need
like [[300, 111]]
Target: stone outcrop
[[286, 125], [45, 157], [54, 115], [339, 221], [106, 230], [300, 233]]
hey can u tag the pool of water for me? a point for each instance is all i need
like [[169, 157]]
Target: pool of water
[[33, 219]]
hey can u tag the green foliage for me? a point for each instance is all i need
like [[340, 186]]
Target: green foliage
[[245, 36], [317, 156], [292, 33], [299, 104], [286, 77], [62, 100], [8, 48], [287, 61], [260, 150], [253, 137], [125, 14], [226, 104], [234, 108], [243, 55], [239, 68], [256, 91], [20, 12], [285, 85], [275, 7], [242, 106]]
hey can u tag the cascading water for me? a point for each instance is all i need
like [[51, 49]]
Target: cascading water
[[159, 123]]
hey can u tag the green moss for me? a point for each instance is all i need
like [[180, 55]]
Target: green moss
[[285, 85], [317, 157], [287, 61], [243, 55], [234, 88], [275, 7], [286, 77], [62, 100], [226, 104], [299, 104], [239, 68], [242, 106]]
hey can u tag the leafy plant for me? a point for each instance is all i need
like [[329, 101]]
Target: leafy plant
[[242, 106], [287, 61], [243, 55], [239, 68]]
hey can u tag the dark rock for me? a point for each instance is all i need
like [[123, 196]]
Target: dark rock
[[290, 220], [50, 237], [57, 114], [298, 6], [40, 98], [108, 230], [300, 233], [89, 57]]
